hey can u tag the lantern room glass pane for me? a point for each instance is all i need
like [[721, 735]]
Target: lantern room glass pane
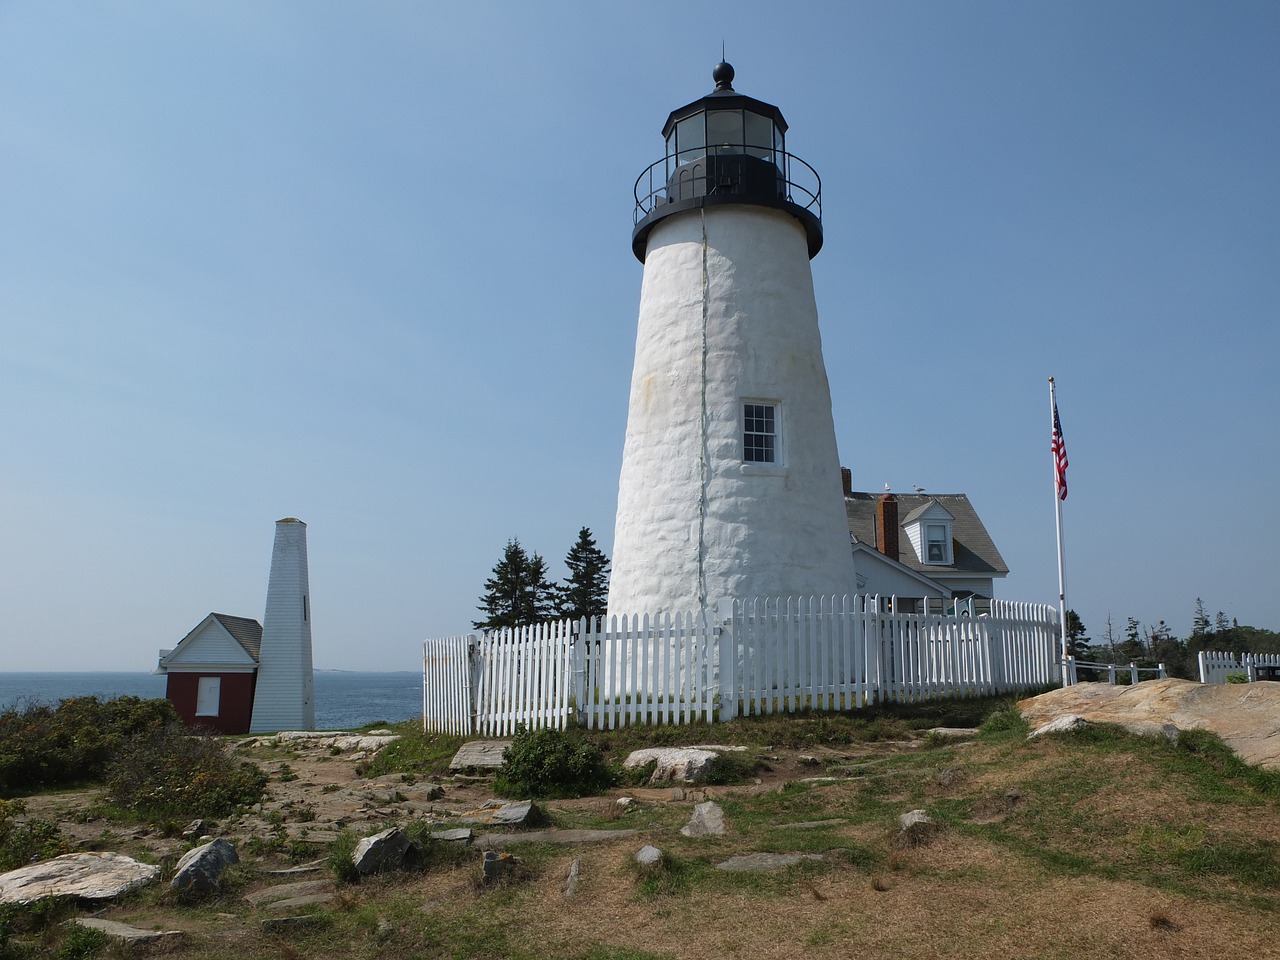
[[691, 139], [759, 135], [724, 131]]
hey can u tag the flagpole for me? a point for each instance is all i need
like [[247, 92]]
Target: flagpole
[[1057, 510]]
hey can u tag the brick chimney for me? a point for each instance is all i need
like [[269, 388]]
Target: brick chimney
[[887, 526], [846, 477]]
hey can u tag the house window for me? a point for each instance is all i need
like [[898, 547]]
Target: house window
[[759, 433], [936, 546], [207, 696]]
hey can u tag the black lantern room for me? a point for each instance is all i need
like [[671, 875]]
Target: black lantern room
[[727, 148]]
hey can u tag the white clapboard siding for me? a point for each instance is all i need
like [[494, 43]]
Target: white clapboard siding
[[765, 655]]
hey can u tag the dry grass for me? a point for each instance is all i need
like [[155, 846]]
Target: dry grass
[[1056, 849]]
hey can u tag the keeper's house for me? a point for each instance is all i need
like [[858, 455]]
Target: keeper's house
[[213, 672]]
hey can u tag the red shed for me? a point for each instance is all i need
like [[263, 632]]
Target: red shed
[[213, 671]]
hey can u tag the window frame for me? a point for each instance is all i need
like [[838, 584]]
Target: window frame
[[212, 686], [747, 419]]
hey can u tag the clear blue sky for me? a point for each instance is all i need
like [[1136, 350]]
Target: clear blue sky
[[369, 265]]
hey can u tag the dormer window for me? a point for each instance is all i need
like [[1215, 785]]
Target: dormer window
[[937, 543], [929, 529]]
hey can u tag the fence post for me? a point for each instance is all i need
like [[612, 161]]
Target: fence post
[[726, 666], [1111, 674], [1162, 675], [1133, 672]]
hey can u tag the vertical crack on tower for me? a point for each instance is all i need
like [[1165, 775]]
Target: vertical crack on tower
[[702, 449]]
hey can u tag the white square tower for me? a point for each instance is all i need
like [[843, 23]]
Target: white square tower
[[284, 697]]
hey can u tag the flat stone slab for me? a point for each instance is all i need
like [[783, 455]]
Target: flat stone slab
[[495, 813], [811, 824], [124, 933], [286, 891], [313, 867], [457, 835], [1245, 715], [281, 906], [496, 841], [282, 925], [660, 794], [322, 740], [954, 733], [86, 876], [480, 755], [764, 862]]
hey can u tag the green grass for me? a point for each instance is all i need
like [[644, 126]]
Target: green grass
[[1059, 823], [416, 753]]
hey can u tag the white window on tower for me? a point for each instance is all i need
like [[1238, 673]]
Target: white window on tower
[[759, 433], [208, 694]]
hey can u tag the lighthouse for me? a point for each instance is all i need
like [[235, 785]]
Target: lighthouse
[[730, 483], [284, 697]]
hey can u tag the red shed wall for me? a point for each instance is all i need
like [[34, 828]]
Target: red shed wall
[[235, 703]]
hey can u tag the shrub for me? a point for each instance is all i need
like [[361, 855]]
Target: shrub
[[43, 746], [341, 858], [551, 763], [24, 842], [171, 772], [1007, 721]]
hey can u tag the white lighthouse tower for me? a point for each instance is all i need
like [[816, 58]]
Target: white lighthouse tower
[[284, 696], [730, 484]]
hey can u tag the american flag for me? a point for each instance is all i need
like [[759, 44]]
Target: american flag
[[1059, 448]]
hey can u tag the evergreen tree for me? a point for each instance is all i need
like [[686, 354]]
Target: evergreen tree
[[585, 592], [518, 593], [1220, 624], [1199, 620], [1077, 642]]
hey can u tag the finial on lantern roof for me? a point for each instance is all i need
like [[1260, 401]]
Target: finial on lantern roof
[[722, 74]]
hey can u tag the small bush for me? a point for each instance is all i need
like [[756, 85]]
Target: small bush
[[551, 763], [171, 772], [81, 943], [24, 842], [341, 859], [1004, 722]]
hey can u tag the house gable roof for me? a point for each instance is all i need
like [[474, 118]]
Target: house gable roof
[[973, 552], [219, 640], [245, 630], [932, 587]]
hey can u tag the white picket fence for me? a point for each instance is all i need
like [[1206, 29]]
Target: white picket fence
[[762, 656], [1215, 667]]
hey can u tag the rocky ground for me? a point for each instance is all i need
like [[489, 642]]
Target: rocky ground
[[316, 792]]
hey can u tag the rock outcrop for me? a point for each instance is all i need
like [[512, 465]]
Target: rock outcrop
[[1245, 715]]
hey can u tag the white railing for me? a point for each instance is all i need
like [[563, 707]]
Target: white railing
[[1216, 667], [1112, 670], [762, 656]]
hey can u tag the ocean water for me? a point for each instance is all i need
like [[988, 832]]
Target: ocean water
[[344, 699]]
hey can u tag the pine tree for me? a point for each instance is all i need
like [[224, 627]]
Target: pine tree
[[585, 592], [518, 593], [1077, 642], [1199, 620]]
